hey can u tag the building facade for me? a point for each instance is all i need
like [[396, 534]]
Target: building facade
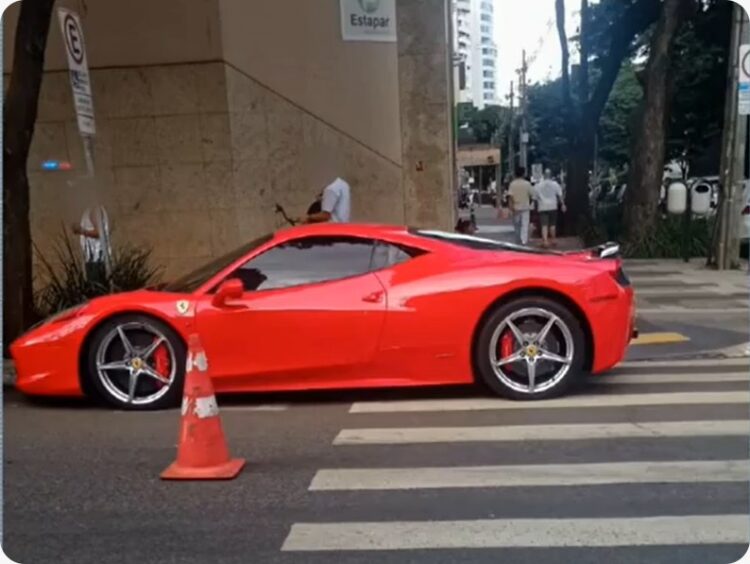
[[475, 49], [209, 112]]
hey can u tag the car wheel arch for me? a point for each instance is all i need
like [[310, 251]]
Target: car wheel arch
[[91, 331], [537, 292]]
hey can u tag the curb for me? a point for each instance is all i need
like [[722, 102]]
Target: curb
[[9, 373]]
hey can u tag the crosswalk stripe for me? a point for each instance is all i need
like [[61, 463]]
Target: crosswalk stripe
[[531, 475], [613, 400], [676, 378], [563, 432], [269, 407], [737, 308], [711, 362], [509, 533]]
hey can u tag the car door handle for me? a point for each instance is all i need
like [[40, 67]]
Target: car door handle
[[374, 298]]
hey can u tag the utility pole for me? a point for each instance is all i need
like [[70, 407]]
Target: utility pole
[[524, 119], [511, 151], [733, 151]]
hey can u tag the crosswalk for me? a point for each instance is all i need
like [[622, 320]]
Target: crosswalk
[[652, 455]]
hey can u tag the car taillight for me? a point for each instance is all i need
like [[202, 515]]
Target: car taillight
[[746, 211], [621, 278]]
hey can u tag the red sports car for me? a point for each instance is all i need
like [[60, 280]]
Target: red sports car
[[346, 306]]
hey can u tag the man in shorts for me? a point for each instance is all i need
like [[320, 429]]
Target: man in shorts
[[549, 195]]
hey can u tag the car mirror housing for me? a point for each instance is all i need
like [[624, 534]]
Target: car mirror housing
[[231, 289]]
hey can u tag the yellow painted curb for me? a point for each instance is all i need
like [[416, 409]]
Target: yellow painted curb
[[659, 339]]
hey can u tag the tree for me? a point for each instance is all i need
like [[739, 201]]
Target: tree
[[547, 126], [616, 123], [608, 35], [649, 148], [19, 117], [699, 67]]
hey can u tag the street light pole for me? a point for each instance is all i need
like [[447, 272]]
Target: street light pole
[[733, 151], [524, 120], [511, 151]]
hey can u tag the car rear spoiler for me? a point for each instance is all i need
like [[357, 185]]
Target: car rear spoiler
[[603, 251]]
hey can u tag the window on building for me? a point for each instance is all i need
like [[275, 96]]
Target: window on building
[[308, 260], [485, 18], [488, 7], [489, 63], [489, 96], [489, 85], [486, 29], [488, 74]]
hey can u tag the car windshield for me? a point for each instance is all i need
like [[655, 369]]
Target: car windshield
[[479, 243], [195, 279]]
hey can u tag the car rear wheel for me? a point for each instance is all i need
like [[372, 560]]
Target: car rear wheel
[[136, 362], [530, 349]]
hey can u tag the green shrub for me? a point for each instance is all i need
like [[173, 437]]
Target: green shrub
[[669, 238], [666, 241], [66, 285]]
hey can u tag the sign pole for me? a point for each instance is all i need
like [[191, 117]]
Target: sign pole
[[80, 83]]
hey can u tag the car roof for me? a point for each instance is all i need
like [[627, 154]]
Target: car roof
[[354, 229]]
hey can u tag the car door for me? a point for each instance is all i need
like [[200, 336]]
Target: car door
[[310, 315], [419, 339]]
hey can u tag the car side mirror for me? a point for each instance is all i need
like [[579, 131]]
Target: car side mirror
[[231, 289]]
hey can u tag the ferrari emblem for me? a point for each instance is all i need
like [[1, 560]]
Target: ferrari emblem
[[183, 306]]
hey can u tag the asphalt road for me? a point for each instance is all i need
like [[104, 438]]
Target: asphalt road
[[647, 465], [654, 458]]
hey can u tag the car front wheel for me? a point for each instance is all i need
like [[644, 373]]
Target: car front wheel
[[136, 362]]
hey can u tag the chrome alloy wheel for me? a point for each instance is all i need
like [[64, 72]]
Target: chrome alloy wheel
[[136, 363], [531, 350]]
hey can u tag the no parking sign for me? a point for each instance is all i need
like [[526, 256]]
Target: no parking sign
[[743, 103], [75, 50]]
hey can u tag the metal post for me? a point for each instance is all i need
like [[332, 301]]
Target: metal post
[[729, 142], [524, 118], [511, 152]]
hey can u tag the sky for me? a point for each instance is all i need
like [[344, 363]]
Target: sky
[[523, 24]]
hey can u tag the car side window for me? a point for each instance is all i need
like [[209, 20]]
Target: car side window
[[307, 260], [386, 254]]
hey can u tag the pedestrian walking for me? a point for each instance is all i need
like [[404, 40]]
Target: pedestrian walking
[[93, 231], [520, 193], [549, 196]]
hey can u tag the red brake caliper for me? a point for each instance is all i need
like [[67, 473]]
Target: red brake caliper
[[506, 344], [161, 363]]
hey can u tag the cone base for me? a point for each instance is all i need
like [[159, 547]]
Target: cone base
[[226, 471]]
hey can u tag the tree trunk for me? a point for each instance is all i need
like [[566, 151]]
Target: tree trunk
[[642, 196], [19, 117], [583, 121]]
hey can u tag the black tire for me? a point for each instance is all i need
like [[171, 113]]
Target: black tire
[[94, 383], [483, 363]]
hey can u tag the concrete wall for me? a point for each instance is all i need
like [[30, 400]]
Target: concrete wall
[[211, 111], [131, 33], [295, 48]]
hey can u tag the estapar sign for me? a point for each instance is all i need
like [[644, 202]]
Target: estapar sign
[[368, 20]]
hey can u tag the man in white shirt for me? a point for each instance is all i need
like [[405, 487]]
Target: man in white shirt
[[335, 205], [93, 231], [548, 194]]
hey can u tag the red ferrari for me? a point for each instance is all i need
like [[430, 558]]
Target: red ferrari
[[346, 306]]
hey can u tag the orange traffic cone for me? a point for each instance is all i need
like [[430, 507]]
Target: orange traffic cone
[[202, 452]]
